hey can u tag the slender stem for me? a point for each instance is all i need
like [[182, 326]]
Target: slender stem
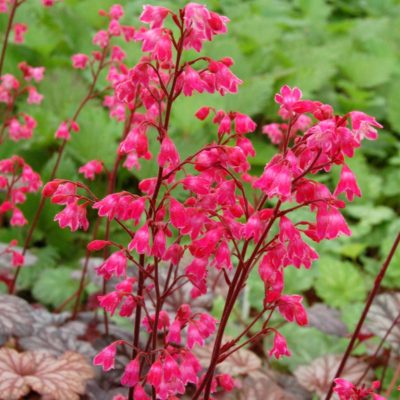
[[378, 349], [392, 383], [138, 317], [360, 323], [84, 272], [7, 35], [56, 166]]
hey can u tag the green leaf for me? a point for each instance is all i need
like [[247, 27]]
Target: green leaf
[[339, 283], [306, 344], [369, 70], [299, 280], [54, 286]]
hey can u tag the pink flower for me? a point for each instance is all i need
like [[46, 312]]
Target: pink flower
[[196, 184], [244, 124], [200, 329], [64, 193], [155, 374], [202, 113], [220, 78], [276, 179], [18, 131], [48, 3], [139, 393], [110, 301], [173, 254], [141, 241], [34, 97], [191, 81], [364, 125], [287, 96], [289, 100], [148, 185], [272, 275], [298, 252], [128, 33], [35, 73], [274, 132], [19, 32], [348, 391], [131, 375], [73, 216], [116, 11], [62, 132], [80, 61], [174, 333], [202, 25], [137, 141], [115, 265], [106, 358], [18, 218], [154, 15], [18, 259], [117, 54], [168, 154], [101, 39], [157, 41], [347, 184], [292, 309], [123, 206], [189, 367], [253, 228], [330, 223], [279, 348], [226, 382], [91, 169], [128, 307], [9, 82], [177, 213], [206, 245], [196, 272], [96, 245]]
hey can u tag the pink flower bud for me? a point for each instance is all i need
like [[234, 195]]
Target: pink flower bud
[[279, 348], [96, 245], [80, 61], [131, 375]]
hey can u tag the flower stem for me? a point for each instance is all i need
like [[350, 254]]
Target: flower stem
[[360, 323], [7, 35]]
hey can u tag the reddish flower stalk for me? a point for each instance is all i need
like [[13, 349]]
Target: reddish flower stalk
[[379, 347], [61, 149], [11, 17], [364, 314]]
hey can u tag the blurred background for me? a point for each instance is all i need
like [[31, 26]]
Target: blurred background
[[342, 52]]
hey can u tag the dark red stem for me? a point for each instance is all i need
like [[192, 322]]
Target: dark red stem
[[7, 35], [360, 323]]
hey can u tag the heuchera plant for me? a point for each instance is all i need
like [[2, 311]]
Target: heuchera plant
[[229, 222]]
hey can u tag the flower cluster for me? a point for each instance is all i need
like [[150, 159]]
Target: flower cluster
[[16, 179], [19, 125], [19, 29], [348, 391], [205, 214]]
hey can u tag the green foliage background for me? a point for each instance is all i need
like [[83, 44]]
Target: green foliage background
[[346, 53]]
